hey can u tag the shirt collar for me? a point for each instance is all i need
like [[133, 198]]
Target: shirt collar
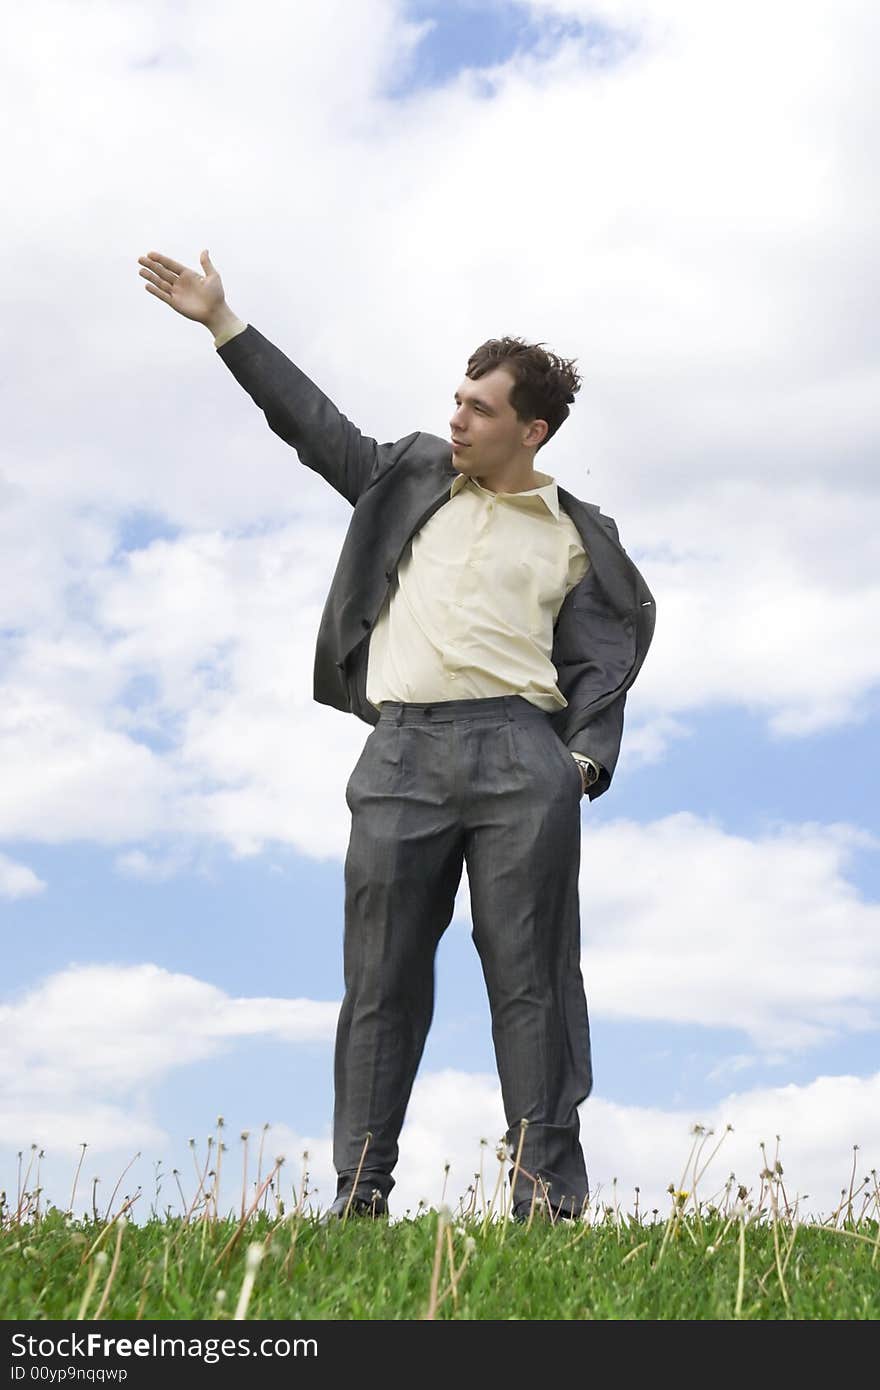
[[546, 491]]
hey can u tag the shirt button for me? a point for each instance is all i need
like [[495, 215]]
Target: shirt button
[[452, 675]]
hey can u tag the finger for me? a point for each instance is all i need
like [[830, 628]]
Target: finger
[[167, 262], [159, 273], [159, 294], [154, 279]]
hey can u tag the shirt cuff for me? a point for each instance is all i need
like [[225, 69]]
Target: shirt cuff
[[582, 758], [232, 332]]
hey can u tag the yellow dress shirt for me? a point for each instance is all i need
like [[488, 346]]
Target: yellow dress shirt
[[471, 609]]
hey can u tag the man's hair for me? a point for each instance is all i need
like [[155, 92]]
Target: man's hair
[[544, 385]]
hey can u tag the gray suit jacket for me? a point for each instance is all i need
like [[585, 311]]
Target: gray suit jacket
[[606, 622]]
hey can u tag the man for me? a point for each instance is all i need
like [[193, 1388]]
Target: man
[[488, 625]]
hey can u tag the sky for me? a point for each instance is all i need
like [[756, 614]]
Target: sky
[[682, 197]]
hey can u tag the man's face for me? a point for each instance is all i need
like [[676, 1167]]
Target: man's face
[[486, 434]]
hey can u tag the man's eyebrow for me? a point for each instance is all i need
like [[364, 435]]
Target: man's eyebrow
[[477, 400]]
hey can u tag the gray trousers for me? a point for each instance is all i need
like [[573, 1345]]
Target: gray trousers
[[487, 781]]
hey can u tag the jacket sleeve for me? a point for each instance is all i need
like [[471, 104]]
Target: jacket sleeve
[[600, 740], [610, 665], [300, 414]]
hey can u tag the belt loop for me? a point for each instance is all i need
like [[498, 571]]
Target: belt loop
[[398, 713]]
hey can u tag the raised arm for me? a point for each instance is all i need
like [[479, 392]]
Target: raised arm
[[295, 408]]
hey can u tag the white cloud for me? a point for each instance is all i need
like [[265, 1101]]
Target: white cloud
[[692, 924], [153, 868], [630, 1146], [17, 880], [688, 923], [67, 775], [181, 709], [64, 1124], [761, 611], [84, 1052], [107, 1031], [450, 1113]]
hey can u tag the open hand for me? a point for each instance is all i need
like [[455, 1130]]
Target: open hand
[[196, 296]]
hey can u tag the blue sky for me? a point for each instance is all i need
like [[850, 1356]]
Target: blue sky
[[173, 824], [471, 35]]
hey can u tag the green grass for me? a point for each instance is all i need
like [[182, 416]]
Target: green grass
[[733, 1255], [691, 1266]]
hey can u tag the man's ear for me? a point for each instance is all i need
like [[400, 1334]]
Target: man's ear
[[536, 433]]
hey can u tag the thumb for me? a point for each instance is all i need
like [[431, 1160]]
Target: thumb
[[206, 261]]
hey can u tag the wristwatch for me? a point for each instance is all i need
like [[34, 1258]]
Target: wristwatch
[[589, 769]]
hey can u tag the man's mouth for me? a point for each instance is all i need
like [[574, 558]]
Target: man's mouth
[[456, 444]]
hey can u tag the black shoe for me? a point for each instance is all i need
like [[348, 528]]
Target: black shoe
[[543, 1210], [373, 1207]]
